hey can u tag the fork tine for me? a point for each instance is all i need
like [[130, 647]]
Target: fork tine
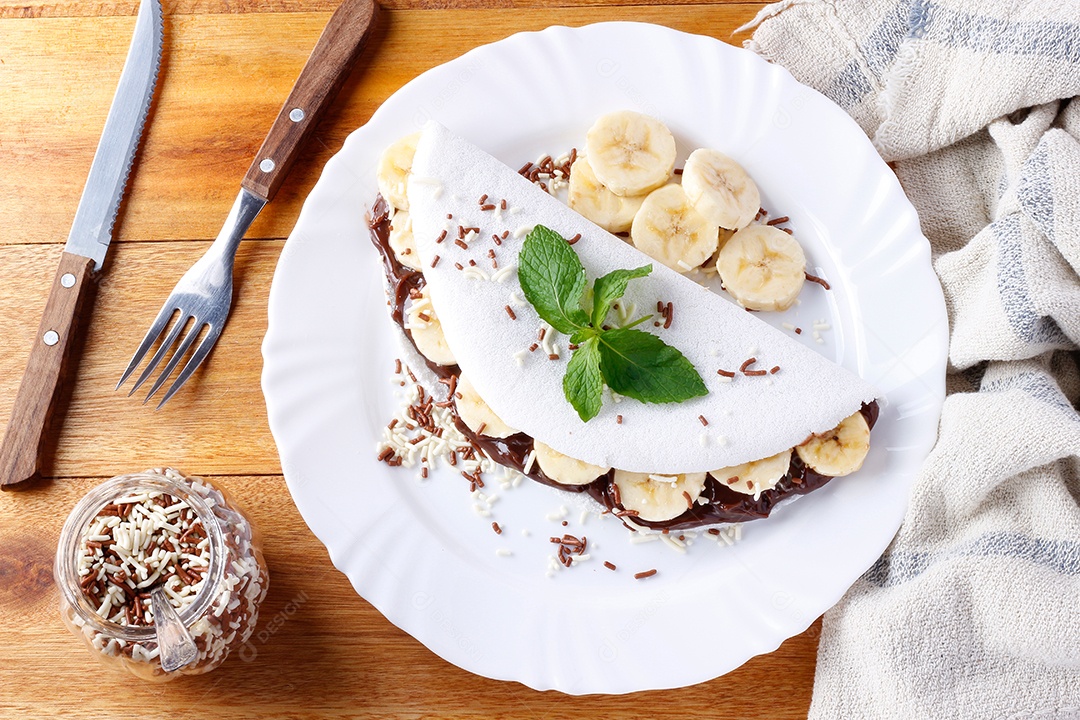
[[167, 343], [196, 328], [166, 312], [193, 364]]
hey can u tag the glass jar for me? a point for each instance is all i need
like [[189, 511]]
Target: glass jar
[[216, 586]]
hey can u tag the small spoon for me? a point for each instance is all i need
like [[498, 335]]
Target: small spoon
[[176, 648]]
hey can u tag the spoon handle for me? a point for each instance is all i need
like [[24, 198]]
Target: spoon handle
[[176, 648]]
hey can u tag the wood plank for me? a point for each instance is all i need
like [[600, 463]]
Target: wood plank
[[103, 8], [215, 425], [320, 650], [222, 84]]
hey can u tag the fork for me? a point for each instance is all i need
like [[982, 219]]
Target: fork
[[201, 301]]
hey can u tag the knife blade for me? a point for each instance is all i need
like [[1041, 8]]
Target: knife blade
[[22, 450]]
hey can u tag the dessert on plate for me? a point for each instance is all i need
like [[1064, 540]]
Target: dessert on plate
[[592, 363]]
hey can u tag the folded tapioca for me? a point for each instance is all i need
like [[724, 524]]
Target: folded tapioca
[[576, 358]]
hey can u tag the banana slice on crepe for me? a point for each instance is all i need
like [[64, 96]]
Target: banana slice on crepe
[[657, 497], [667, 228], [754, 478], [592, 199], [392, 172], [427, 332], [720, 189], [762, 267], [476, 414], [840, 451], [402, 241], [630, 153], [564, 469]]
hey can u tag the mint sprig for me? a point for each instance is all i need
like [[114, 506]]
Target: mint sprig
[[631, 362]]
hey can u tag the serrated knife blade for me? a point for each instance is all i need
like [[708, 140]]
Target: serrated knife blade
[[91, 232]]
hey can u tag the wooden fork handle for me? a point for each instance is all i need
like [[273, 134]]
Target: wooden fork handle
[[325, 71], [22, 449]]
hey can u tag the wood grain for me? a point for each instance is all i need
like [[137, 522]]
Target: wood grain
[[108, 8], [320, 650], [222, 84]]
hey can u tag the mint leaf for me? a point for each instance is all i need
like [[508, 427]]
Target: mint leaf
[[553, 279], [642, 366], [583, 385], [610, 288], [631, 362]]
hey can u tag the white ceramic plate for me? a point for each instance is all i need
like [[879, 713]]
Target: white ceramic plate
[[419, 553]]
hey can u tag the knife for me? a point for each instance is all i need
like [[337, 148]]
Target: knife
[[91, 232]]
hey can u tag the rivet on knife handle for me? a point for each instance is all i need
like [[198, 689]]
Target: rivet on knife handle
[[339, 45], [21, 451]]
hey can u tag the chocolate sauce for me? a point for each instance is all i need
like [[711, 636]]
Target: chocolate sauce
[[723, 505], [402, 280]]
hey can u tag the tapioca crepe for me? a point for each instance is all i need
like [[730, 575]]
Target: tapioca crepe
[[490, 328]]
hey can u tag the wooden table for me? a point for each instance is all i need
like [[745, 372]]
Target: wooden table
[[321, 650]]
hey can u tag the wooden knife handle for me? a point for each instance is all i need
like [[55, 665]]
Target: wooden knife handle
[[21, 451], [325, 71]]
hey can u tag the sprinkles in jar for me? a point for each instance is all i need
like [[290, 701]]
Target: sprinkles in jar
[[159, 529]]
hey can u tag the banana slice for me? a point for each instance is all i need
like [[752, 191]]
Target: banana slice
[[669, 229], [402, 241], [762, 268], [840, 451], [589, 197], [658, 497], [476, 414], [753, 478], [720, 189], [392, 172], [630, 153], [427, 333], [564, 469]]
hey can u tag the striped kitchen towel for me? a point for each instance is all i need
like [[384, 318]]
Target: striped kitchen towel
[[974, 610]]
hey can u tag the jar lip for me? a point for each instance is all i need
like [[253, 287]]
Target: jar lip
[[66, 571]]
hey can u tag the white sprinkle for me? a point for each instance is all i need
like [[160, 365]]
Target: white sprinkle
[[583, 517], [703, 439], [721, 440], [640, 537], [504, 272], [423, 180], [683, 266], [674, 543], [519, 357], [527, 467], [822, 326], [525, 532], [474, 273], [503, 552], [724, 378], [788, 326], [523, 231]]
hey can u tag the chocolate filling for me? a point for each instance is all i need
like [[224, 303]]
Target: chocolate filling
[[722, 504]]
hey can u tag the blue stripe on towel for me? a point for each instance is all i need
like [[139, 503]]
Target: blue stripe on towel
[[1035, 190], [1012, 283], [1060, 556], [922, 19], [1038, 385], [932, 22]]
